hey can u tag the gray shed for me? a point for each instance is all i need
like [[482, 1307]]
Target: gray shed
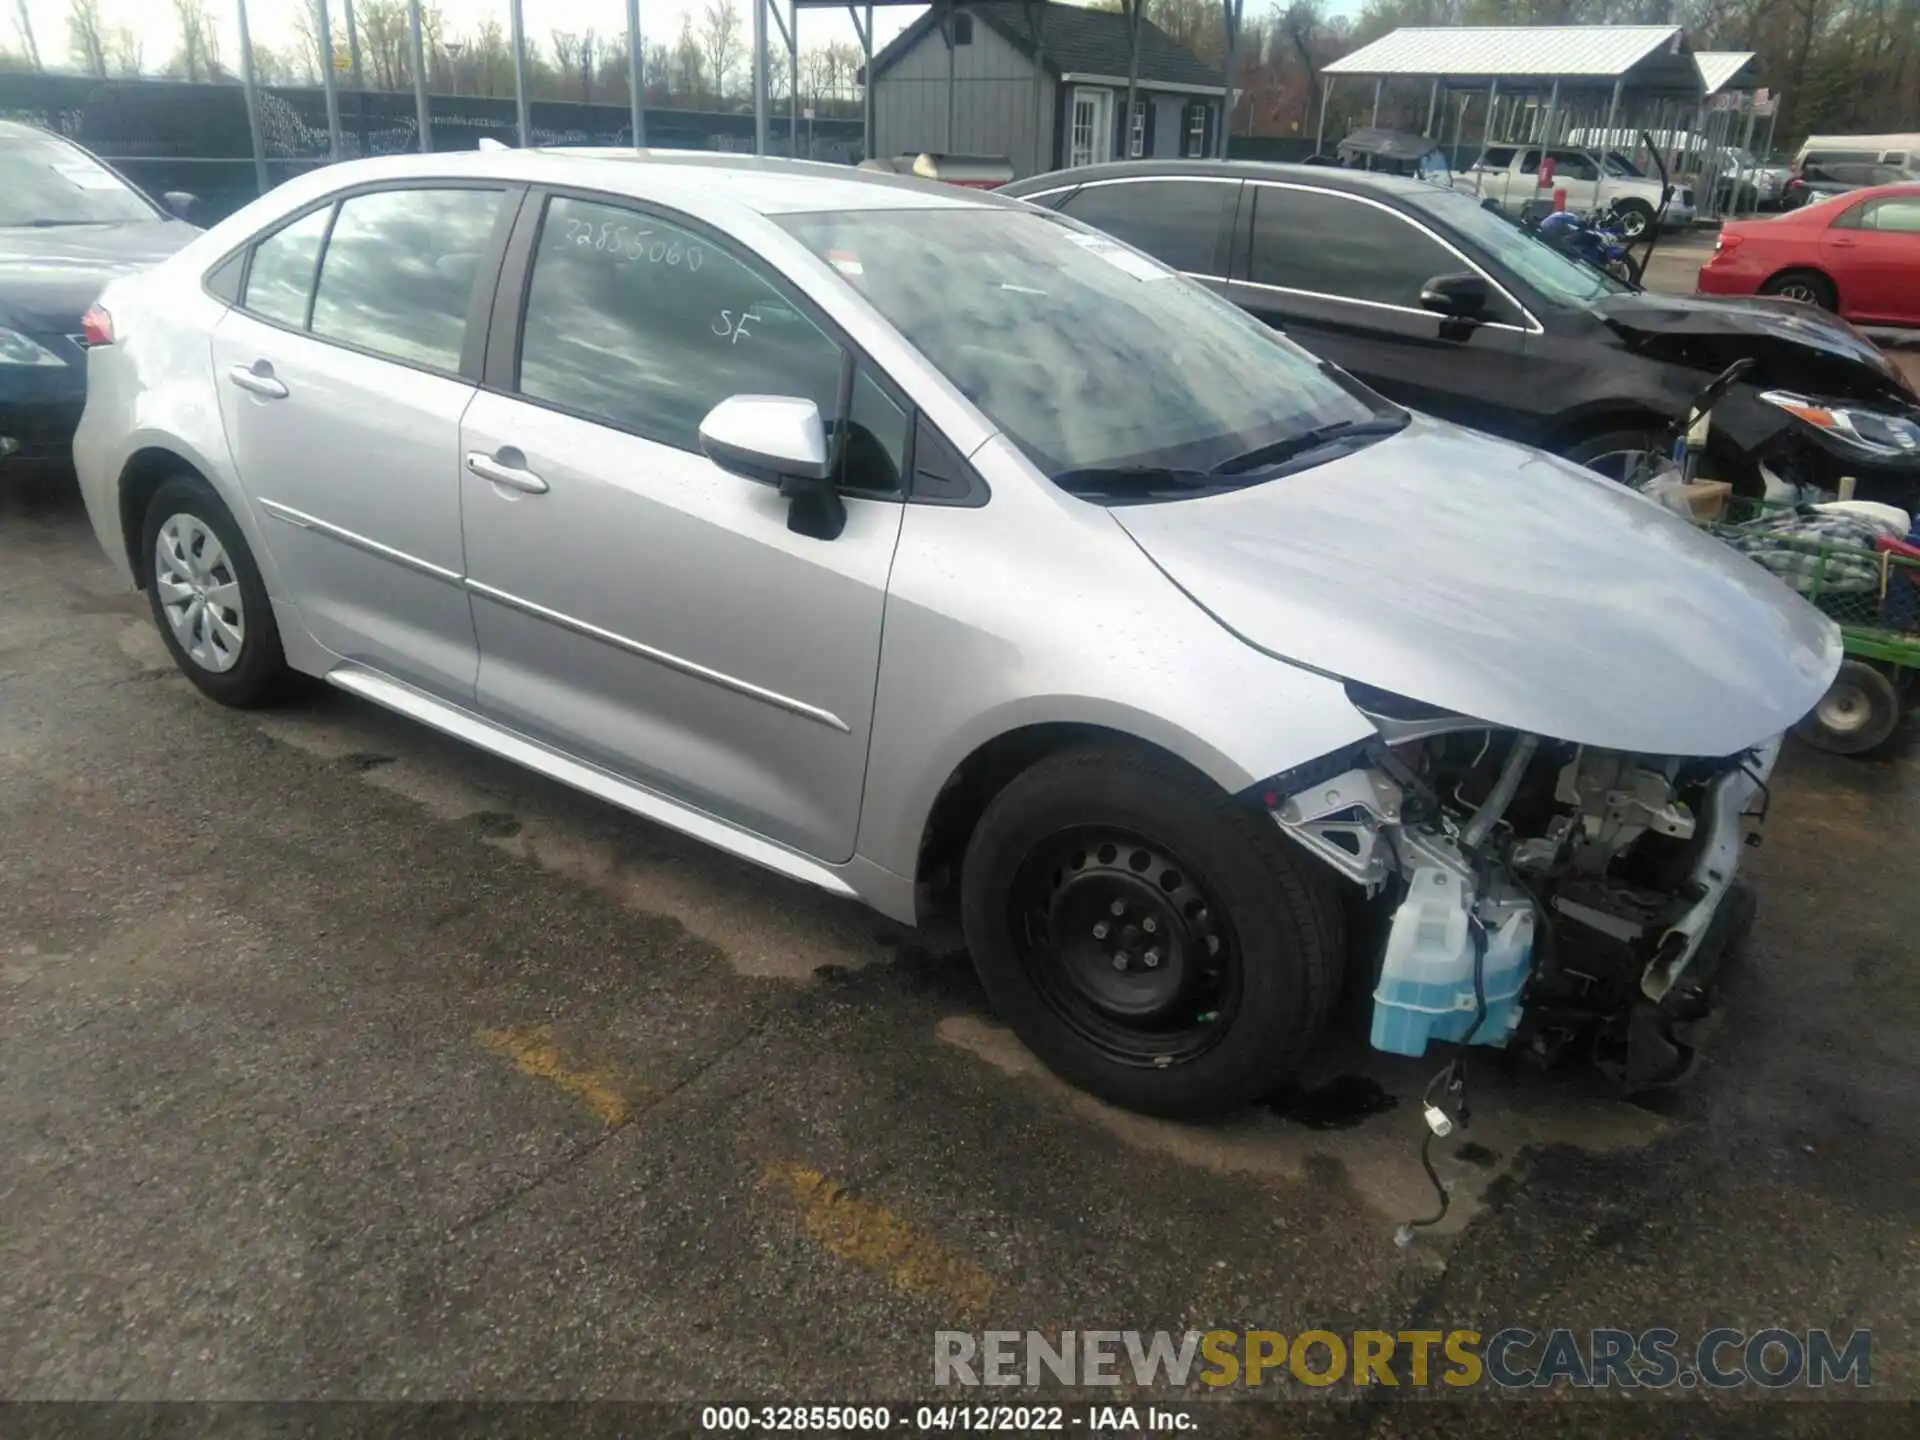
[[970, 79]]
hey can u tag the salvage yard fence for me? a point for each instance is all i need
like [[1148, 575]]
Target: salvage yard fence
[[173, 135]]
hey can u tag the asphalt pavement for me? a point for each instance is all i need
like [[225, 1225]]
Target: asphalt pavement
[[340, 1061]]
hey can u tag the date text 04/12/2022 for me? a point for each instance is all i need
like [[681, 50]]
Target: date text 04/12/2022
[[991, 1419]]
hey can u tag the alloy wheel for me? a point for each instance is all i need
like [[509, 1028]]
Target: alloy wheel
[[1798, 290], [1844, 710], [199, 593], [1125, 944]]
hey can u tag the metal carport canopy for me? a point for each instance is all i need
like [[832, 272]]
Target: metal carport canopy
[[1651, 56]]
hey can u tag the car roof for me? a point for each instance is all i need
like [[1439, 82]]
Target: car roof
[[16, 130], [762, 184], [1326, 177]]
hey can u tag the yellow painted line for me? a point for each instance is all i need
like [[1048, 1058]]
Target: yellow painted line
[[876, 1240], [533, 1052]]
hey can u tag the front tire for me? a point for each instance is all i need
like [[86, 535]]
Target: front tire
[[1151, 939], [1857, 714], [1617, 454], [207, 597]]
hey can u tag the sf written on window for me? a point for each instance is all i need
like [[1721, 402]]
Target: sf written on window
[[647, 325]]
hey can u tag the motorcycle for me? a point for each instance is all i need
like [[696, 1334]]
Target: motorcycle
[[1600, 243]]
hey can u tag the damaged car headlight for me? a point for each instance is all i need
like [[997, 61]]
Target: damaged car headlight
[[1869, 431]]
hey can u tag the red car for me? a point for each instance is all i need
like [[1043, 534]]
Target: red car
[[1857, 254]]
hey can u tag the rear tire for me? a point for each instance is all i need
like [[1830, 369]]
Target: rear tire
[[1151, 939], [1805, 285], [208, 600], [1859, 711]]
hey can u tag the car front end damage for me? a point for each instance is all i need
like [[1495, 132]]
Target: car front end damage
[[1557, 899]]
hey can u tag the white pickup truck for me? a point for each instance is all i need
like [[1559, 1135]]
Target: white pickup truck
[[1509, 175]]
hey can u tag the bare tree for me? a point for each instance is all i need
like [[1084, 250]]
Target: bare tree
[[86, 39], [589, 43], [126, 52], [689, 67], [23, 27], [386, 42], [720, 43], [199, 55]]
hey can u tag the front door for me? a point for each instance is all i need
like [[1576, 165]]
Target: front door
[[366, 536], [1342, 276], [638, 607], [1091, 130]]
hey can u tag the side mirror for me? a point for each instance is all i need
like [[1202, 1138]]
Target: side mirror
[[180, 203], [779, 440], [1458, 297]]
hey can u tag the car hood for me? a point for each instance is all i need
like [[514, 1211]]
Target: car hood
[[1798, 346], [1498, 582], [49, 277]]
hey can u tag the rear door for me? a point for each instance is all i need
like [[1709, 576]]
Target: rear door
[[1873, 253], [342, 376], [1342, 274], [1185, 223]]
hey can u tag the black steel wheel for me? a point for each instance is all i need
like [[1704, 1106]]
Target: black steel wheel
[[1151, 938], [1125, 946]]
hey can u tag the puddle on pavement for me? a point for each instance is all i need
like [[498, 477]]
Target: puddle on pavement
[[1379, 1152], [1339, 1104]]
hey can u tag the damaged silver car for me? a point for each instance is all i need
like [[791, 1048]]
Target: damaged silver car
[[941, 553]]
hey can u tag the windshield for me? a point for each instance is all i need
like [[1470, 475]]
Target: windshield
[[1554, 275], [45, 182], [1086, 353], [1618, 165], [1743, 158]]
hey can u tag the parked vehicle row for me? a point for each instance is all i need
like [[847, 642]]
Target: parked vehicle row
[[1201, 660]]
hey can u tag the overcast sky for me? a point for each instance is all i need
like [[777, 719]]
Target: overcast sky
[[272, 22]]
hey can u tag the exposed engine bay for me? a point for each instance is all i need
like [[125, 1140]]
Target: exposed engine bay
[[1535, 894]]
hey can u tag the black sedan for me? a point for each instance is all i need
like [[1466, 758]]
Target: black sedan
[[68, 225], [1439, 303]]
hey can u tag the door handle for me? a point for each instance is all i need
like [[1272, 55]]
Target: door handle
[[258, 379], [1840, 242], [501, 468]]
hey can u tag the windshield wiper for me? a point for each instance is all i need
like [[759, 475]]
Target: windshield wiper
[[50, 224], [1132, 480], [1292, 445]]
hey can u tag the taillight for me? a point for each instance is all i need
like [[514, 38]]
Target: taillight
[[97, 326]]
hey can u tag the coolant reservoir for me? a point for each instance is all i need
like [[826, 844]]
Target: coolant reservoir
[[1426, 979]]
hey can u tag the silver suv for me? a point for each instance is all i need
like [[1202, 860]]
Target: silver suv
[[929, 548]]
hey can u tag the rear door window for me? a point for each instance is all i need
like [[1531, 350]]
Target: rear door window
[[280, 279], [1499, 157], [1328, 244], [399, 270], [1897, 214], [1179, 222]]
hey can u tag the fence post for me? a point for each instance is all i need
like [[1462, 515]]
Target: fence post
[[519, 27], [253, 101], [325, 21], [422, 113], [636, 75]]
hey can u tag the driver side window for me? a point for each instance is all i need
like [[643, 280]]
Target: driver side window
[[646, 325]]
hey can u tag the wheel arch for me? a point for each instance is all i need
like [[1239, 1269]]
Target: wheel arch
[[145, 470], [986, 770], [1599, 418]]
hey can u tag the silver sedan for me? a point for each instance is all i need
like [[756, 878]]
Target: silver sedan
[[932, 549]]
